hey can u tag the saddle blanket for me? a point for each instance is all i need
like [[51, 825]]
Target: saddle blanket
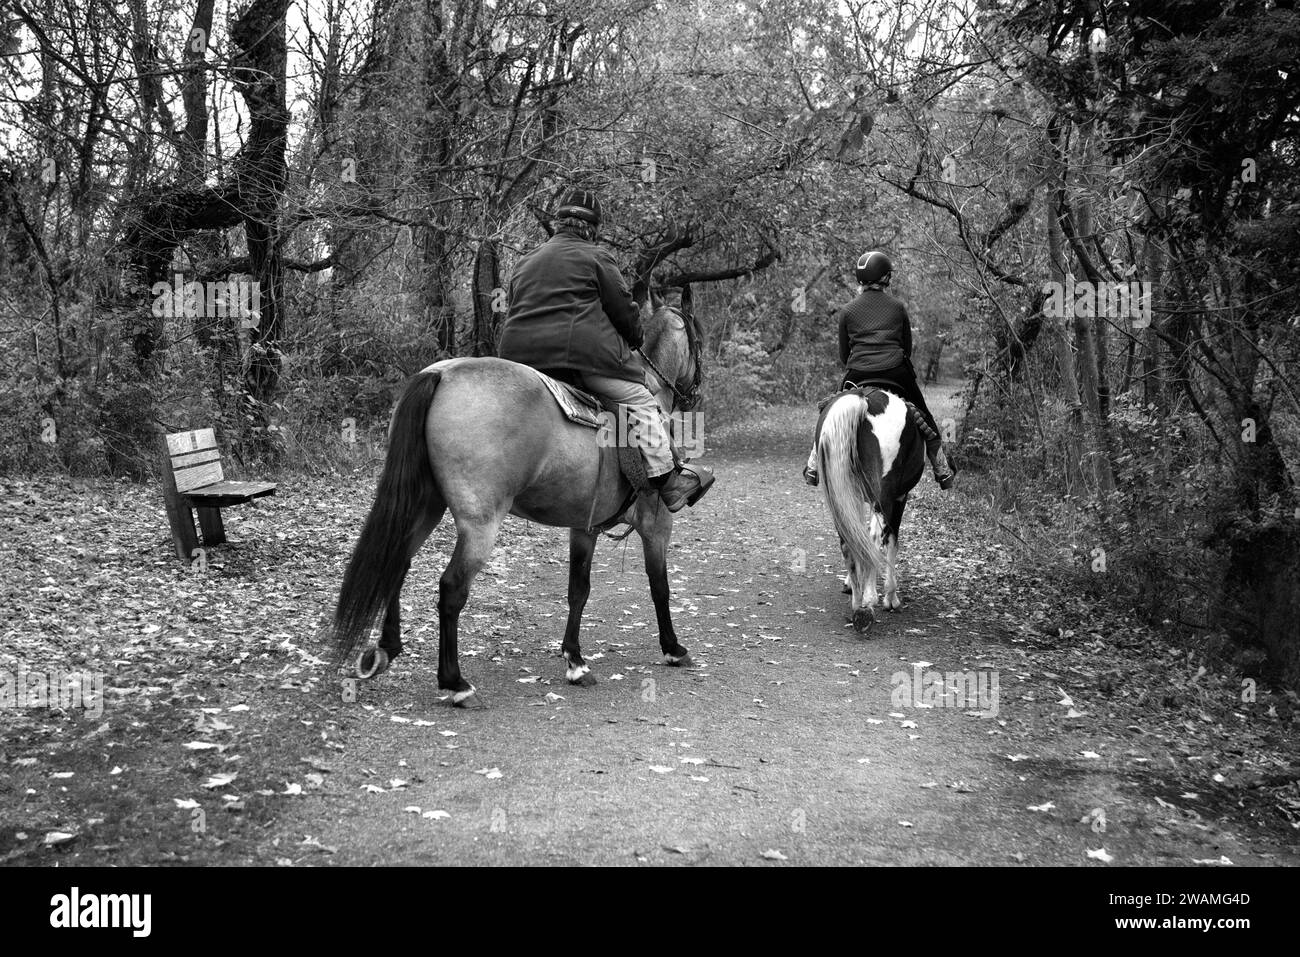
[[578, 407], [583, 408], [917, 418]]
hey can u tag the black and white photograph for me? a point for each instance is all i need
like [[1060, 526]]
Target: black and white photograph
[[651, 433]]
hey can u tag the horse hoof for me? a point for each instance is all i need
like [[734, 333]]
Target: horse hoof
[[863, 619], [892, 603], [469, 700], [679, 661], [371, 663], [584, 680], [846, 590]]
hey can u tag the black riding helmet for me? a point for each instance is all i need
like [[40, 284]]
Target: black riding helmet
[[580, 204], [874, 268]]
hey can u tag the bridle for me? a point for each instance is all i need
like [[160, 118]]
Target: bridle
[[690, 398]]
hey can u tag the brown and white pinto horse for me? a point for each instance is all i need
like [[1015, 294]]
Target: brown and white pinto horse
[[870, 455]]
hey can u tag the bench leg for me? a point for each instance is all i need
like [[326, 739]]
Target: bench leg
[[214, 532], [181, 519]]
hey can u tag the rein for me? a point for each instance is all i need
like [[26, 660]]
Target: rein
[[684, 400], [691, 397]]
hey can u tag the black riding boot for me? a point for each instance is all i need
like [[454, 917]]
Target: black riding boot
[[945, 473]]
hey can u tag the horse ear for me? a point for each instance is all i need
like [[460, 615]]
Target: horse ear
[[656, 300]]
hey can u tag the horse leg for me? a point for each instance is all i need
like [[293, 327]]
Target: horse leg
[[892, 601], [863, 617], [474, 543], [656, 528], [582, 543], [375, 661], [872, 575]]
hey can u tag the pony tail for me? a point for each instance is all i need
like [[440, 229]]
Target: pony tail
[[407, 492], [850, 494]]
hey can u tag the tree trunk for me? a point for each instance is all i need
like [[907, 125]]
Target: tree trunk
[[1060, 326], [261, 172], [436, 153], [487, 297]]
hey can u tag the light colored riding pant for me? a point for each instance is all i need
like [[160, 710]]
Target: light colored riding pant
[[646, 426]]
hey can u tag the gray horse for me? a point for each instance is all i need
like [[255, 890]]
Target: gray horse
[[485, 439]]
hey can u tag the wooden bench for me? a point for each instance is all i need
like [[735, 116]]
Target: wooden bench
[[193, 479]]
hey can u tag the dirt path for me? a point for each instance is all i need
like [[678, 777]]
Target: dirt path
[[787, 741], [783, 739]]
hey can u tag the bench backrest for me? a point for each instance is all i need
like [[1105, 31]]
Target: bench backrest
[[195, 459]]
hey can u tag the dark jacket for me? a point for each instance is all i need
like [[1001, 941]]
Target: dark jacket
[[570, 309], [875, 333]]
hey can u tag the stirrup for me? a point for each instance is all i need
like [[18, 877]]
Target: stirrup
[[674, 492]]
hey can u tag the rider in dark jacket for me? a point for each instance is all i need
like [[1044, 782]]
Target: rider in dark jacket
[[571, 315], [569, 309], [876, 347]]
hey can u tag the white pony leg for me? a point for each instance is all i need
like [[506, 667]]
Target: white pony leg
[[891, 575], [852, 583], [869, 585]]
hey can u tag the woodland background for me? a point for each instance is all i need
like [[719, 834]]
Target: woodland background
[[376, 166]]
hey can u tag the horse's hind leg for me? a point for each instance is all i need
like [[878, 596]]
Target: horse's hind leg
[[375, 661], [655, 525], [582, 544], [474, 543], [891, 600]]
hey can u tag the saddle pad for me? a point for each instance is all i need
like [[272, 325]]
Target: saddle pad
[[583, 408], [918, 419], [578, 407]]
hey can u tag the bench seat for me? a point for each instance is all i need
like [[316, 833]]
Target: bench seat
[[229, 493]]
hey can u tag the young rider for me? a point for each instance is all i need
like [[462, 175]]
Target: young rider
[[876, 347]]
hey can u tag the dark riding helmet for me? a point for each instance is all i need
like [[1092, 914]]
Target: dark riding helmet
[[874, 267], [580, 204]]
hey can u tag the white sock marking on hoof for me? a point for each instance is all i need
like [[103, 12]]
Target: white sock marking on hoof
[[573, 674], [460, 696]]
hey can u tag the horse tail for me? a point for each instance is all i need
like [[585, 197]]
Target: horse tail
[[852, 485], [407, 491]]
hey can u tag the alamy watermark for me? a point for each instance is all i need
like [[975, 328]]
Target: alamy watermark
[[53, 689], [965, 690], [1112, 300], [631, 428], [216, 299]]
